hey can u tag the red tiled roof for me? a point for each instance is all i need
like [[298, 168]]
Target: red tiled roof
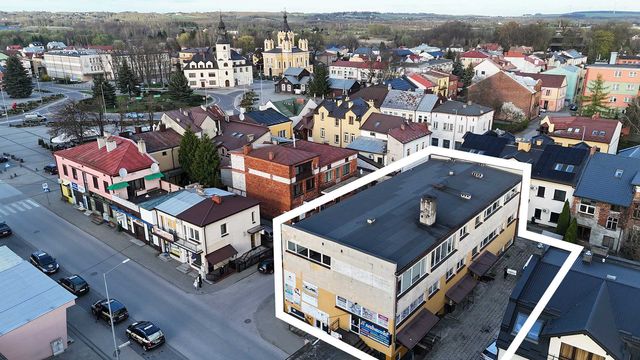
[[548, 80], [586, 127], [409, 131], [474, 54], [359, 64], [514, 54], [208, 211], [125, 155], [328, 154], [283, 155], [421, 80], [236, 133], [195, 116], [382, 123]]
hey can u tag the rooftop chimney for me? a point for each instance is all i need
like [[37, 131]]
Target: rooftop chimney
[[587, 257], [402, 126], [163, 127], [428, 210], [271, 155], [614, 57], [217, 199], [142, 147], [246, 149], [111, 145], [524, 145], [138, 129]]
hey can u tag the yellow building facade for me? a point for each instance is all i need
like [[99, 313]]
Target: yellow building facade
[[283, 54], [340, 128]]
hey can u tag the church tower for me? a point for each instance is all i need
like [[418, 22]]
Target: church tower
[[223, 45], [285, 34]]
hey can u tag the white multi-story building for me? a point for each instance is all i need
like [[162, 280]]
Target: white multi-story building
[[220, 69], [78, 65], [357, 70], [450, 120]]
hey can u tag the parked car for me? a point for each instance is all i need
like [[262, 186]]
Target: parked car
[[35, 117], [101, 309], [266, 266], [75, 284], [5, 230], [146, 334], [3, 159], [51, 169], [133, 115], [491, 352], [45, 262]]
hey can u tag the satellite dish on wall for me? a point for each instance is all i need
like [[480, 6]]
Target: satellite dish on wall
[[122, 172], [155, 168]]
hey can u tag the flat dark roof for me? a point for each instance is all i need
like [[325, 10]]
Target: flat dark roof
[[397, 235]]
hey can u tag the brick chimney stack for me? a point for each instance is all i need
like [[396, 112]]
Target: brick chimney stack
[[271, 155], [247, 149], [217, 199]]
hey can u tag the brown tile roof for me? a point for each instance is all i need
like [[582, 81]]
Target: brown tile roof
[[125, 155], [409, 131], [236, 134], [375, 93], [597, 130], [208, 211], [283, 155], [548, 80], [158, 140], [382, 123], [474, 54], [194, 117], [328, 154], [377, 65]]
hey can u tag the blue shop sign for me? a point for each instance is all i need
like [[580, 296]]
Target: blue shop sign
[[375, 332]]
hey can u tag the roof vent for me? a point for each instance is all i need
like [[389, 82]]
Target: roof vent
[[477, 174], [371, 220], [611, 277], [465, 196], [451, 172], [440, 186], [587, 257]]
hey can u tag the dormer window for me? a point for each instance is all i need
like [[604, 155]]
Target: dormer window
[[618, 173], [576, 130]]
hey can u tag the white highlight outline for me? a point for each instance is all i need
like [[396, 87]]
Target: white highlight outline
[[417, 158]]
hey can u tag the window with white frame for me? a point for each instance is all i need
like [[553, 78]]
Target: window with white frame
[[308, 253], [491, 209], [322, 133], [413, 275], [474, 251], [587, 207], [460, 264], [406, 312], [192, 234], [449, 273], [434, 288], [462, 232], [612, 223], [492, 235], [223, 229], [441, 252]]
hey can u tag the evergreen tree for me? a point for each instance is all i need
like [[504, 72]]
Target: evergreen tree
[[179, 89], [467, 76], [187, 152], [450, 55], [596, 101], [103, 89], [458, 69], [572, 232], [16, 79], [563, 220], [205, 167], [631, 117], [319, 85], [248, 100], [127, 80]]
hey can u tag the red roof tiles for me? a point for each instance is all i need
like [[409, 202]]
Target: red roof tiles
[[409, 131], [584, 128], [474, 54], [377, 65], [421, 81]]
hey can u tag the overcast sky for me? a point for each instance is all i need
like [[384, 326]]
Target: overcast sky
[[460, 7]]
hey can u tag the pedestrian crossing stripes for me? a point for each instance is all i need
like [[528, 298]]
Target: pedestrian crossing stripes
[[17, 207]]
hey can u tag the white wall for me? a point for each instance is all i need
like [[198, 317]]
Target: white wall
[[547, 202], [461, 125], [581, 341]]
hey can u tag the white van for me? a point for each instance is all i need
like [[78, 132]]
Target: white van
[[35, 117]]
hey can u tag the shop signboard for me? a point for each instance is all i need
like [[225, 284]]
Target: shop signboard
[[375, 332]]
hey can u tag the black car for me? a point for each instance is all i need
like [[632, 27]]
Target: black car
[[75, 284], [3, 159], [101, 309], [146, 334], [45, 262], [573, 107], [5, 230], [266, 266], [51, 169]]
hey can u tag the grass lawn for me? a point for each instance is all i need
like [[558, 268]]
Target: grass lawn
[[160, 104]]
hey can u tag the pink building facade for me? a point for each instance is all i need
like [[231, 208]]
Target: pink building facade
[[621, 81]]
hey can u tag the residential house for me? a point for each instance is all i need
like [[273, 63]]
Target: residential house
[[606, 201], [110, 177], [406, 139], [235, 134], [283, 177], [283, 54], [375, 94], [567, 57], [362, 71], [575, 78], [621, 82], [337, 122], [451, 120], [424, 84], [407, 258], [325, 57], [472, 57], [294, 81], [402, 103], [525, 63], [278, 124], [343, 87], [294, 108], [220, 69], [186, 54], [553, 92], [424, 111], [164, 147], [590, 316], [33, 320], [400, 83], [604, 134], [200, 119], [485, 68], [628, 59], [371, 148], [523, 92]]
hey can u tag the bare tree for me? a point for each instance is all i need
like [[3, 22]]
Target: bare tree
[[72, 122]]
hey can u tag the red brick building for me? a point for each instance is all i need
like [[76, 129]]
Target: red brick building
[[283, 177], [502, 87]]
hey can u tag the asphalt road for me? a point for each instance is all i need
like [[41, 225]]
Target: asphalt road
[[212, 326]]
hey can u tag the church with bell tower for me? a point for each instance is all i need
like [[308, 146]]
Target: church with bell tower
[[283, 52], [219, 67]]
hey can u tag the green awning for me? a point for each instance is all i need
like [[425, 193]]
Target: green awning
[[118, 186], [157, 175]]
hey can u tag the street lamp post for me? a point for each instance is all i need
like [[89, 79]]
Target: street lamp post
[[4, 104], [106, 289]]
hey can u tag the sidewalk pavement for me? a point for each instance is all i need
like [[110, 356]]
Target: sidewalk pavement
[[134, 249]]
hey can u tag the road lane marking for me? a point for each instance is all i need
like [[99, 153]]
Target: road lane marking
[[15, 205], [7, 207], [35, 204], [3, 212], [22, 203]]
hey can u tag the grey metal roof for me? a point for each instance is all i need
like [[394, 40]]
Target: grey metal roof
[[151, 204], [633, 152], [27, 293], [181, 201], [598, 181], [341, 84], [402, 100], [368, 144], [460, 108], [396, 234], [427, 103]]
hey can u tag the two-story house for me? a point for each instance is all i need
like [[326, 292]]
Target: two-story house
[[164, 146], [553, 91], [603, 134], [503, 87], [403, 103], [278, 124], [337, 122], [451, 120], [380, 266]]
